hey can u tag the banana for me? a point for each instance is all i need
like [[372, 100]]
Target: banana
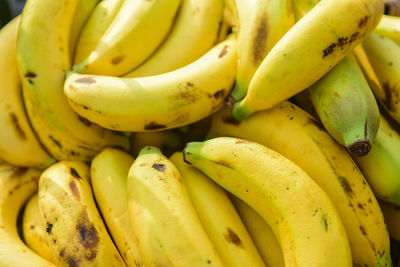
[[310, 234], [137, 30], [261, 25], [18, 142], [33, 230], [193, 34], [97, 24], [392, 219], [17, 186], [384, 57], [323, 37], [261, 233], [75, 231], [108, 175], [43, 60], [166, 141], [296, 135], [156, 102], [346, 106], [302, 7], [389, 26], [167, 227], [218, 217]]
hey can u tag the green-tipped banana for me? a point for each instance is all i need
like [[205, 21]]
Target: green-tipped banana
[[299, 212], [295, 134], [158, 102], [389, 26], [346, 106], [313, 46], [168, 230], [193, 34], [218, 217], [75, 231], [261, 25]]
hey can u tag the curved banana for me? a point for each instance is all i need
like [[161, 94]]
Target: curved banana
[[156, 102], [261, 233], [18, 142], [296, 135], [108, 176], [310, 234], [192, 35], [75, 231], [17, 186], [346, 106], [34, 230], [96, 25], [218, 217], [137, 30], [43, 59], [392, 219], [389, 26], [300, 58], [167, 227], [261, 25], [166, 141]]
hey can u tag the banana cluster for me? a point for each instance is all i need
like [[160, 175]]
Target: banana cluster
[[200, 133]]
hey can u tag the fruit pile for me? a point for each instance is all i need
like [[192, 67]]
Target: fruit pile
[[200, 133]]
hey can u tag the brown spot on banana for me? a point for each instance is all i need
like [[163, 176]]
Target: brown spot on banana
[[117, 60], [260, 40], [231, 237], [74, 189], [88, 80], [17, 127], [224, 51], [159, 167], [154, 126], [74, 173], [87, 235]]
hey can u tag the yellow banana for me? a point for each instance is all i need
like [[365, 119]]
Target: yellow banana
[[137, 30], [108, 175], [34, 230], [43, 59], [192, 35], [156, 102], [310, 233], [313, 46], [389, 26], [17, 186], [262, 234], [75, 231], [261, 25], [218, 217], [97, 24], [392, 219], [168, 230], [292, 132], [18, 142]]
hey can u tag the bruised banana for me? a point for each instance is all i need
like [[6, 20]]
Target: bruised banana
[[34, 230], [310, 234], [389, 27], [261, 25], [108, 176], [76, 233], [18, 142], [193, 34], [218, 217], [137, 30], [17, 186], [339, 24], [162, 215], [44, 59], [298, 136], [156, 102]]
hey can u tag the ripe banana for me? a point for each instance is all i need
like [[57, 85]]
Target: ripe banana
[[261, 233], [97, 24], [302, 7], [310, 234], [296, 135], [193, 34], [167, 227], [346, 106], [75, 231], [166, 141], [156, 102], [261, 25], [138, 29], [43, 59], [313, 46], [218, 217], [108, 175], [17, 186], [34, 230], [392, 219], [18, 142], [389, 26]]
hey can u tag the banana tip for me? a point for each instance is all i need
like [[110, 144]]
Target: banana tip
[[360, 148], [240, 111]]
